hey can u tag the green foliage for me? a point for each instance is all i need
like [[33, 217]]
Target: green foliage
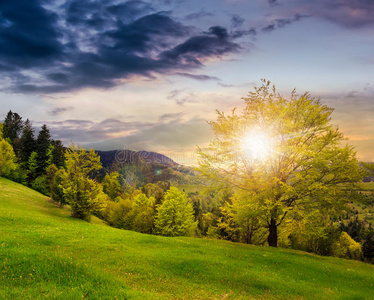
[[27, 141], [55, 182], [7, 158], [12, 126], [43, 142], [33, 164], [1, 130], [143, 213], [118, 214], [310, 231], [368, 247], [112, 186], [307, 167], [346, 247], [49, 155], [58, 153], [84, 195], [40, 184], [46, 254], [175, 215]]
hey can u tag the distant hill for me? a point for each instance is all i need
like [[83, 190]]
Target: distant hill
[[129, 156], [46, 254]]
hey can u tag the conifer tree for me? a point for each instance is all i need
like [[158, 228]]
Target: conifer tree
[[58, 153], [43, 142], [27, 142], [13, 125]]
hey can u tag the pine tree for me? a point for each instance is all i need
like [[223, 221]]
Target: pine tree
[[43, 142], [58, 153], [32, 166], [13, 125], [27, 141]]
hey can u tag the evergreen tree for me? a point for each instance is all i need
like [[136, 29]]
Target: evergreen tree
[[43, 142], [368, 247], [27, 142], [58, 153], [13, 125], [32, 166]]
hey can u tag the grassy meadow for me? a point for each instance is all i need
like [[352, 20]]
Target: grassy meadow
[[44, 253]]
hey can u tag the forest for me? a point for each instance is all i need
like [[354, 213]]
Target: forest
[[301, 201]]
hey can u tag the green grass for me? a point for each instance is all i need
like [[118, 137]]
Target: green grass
[[190, 188], [44, 253], [367, 186]]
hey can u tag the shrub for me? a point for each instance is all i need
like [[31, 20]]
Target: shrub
[[40, 184], [346, 247]]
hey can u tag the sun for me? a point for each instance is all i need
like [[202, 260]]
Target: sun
[[257, 144]]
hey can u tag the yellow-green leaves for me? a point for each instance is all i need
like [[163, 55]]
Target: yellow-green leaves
[[84, 194]]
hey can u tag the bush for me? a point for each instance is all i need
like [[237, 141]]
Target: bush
[[40, 184], [346, 247]]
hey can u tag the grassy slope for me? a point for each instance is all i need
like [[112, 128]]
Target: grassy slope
[[46, 253]]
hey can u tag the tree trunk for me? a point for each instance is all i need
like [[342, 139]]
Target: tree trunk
[[273, 234]]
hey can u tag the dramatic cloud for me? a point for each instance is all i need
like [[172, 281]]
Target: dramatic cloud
[[29, 36], [99, 44]]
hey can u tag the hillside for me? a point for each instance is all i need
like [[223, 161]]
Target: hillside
[[44, 253]]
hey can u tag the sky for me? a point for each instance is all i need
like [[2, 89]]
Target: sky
[[148, 75]]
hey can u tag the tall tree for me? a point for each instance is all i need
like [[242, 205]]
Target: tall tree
[[27, 142], [284, 154], [58, 153], [13, 125], [84, 195], [43, 142]]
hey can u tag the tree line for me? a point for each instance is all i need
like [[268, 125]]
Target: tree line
[[297, 197], [72, 177]]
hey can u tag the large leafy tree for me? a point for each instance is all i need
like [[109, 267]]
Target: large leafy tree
[[84, 194], [280, 156]]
